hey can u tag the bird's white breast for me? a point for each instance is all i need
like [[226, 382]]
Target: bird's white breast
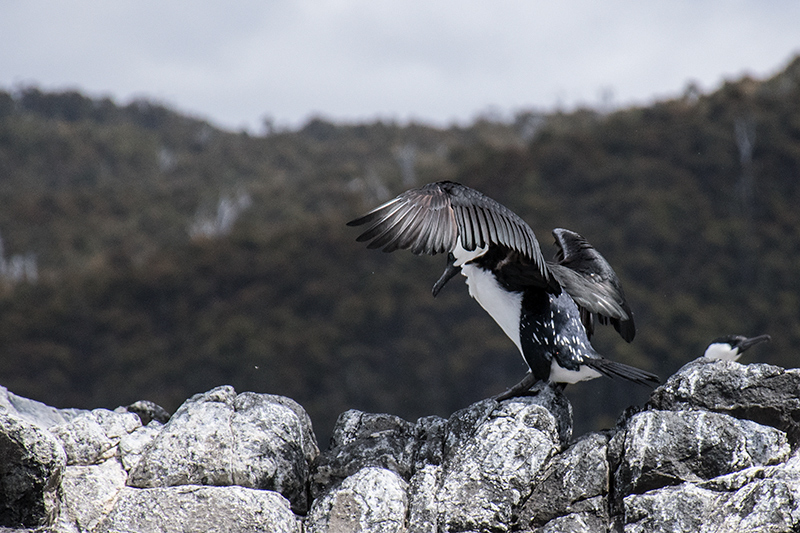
[[504, 307], [722, 351]]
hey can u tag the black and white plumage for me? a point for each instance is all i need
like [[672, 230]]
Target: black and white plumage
[[506, 273], [731, 347], [592, 283]]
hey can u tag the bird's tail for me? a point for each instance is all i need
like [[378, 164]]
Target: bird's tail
[[613, 369]]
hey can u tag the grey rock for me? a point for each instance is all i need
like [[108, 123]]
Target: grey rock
[[788, 471], [259, 441], [573, 482], [35, 412], [710, 452], [765, 394], [489, 467], [575, 523], [361, 440], [200, 509], [31, 465], [92, 437], [546, 395], [194, 447], [661, 448], [677, 509], [116, 424], [89, 492], [84, 440], [148, 411], [274, 446], [133, 445], [766, 504], [429, 433], [483, 456], [423, 516], [373, 500]]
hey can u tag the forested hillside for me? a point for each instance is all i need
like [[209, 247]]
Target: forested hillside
[[149, 255]]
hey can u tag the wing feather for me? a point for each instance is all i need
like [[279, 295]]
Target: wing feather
[[592, 283], [431, 219]]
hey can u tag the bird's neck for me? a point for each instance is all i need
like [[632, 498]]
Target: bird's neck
[[464, 256]]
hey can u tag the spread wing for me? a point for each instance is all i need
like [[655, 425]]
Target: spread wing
[[431, 219], [592, 283]]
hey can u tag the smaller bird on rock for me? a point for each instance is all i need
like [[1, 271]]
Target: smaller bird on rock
[[731, 347]]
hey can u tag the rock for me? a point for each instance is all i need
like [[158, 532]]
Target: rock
[[258, 441], [760, 498], [575, 482], [84, 440], [768, 395], [423, 516], [711, 451], [31, 465], [492, 455], [679, 508], [768, 505], [92, 437], [89, 492], [274, 445], [574, 523], [373, 500], [35, 412], [429, 433], [361, 440], [200, 509], [133, 445], [148, 411], [117, 424], [660, 448], [469, 470]]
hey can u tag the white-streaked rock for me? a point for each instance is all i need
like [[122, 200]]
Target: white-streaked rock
[[373, 500], [32, 462], [661, 448], [711, 451], [199, 509], [88, 493], [488, 473], [132, 445], [259, 441], [84, 440]]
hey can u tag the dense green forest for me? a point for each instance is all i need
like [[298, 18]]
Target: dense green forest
[[150, 255]]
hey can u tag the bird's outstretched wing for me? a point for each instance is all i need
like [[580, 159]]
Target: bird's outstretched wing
[[592, 283], [431, 219]]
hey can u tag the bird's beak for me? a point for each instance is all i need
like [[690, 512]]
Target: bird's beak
[[449, 271], [747, 343]]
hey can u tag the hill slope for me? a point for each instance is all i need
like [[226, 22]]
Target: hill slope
[[171, 256]]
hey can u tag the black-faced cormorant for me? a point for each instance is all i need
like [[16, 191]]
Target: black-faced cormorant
[[508, 276], [730, 347]]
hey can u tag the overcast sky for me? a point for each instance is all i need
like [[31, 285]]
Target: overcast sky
[[436, 61]]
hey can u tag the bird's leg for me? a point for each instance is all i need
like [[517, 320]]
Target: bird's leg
[[519, 389]]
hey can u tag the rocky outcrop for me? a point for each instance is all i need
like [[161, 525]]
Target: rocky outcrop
[[715, 449]]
